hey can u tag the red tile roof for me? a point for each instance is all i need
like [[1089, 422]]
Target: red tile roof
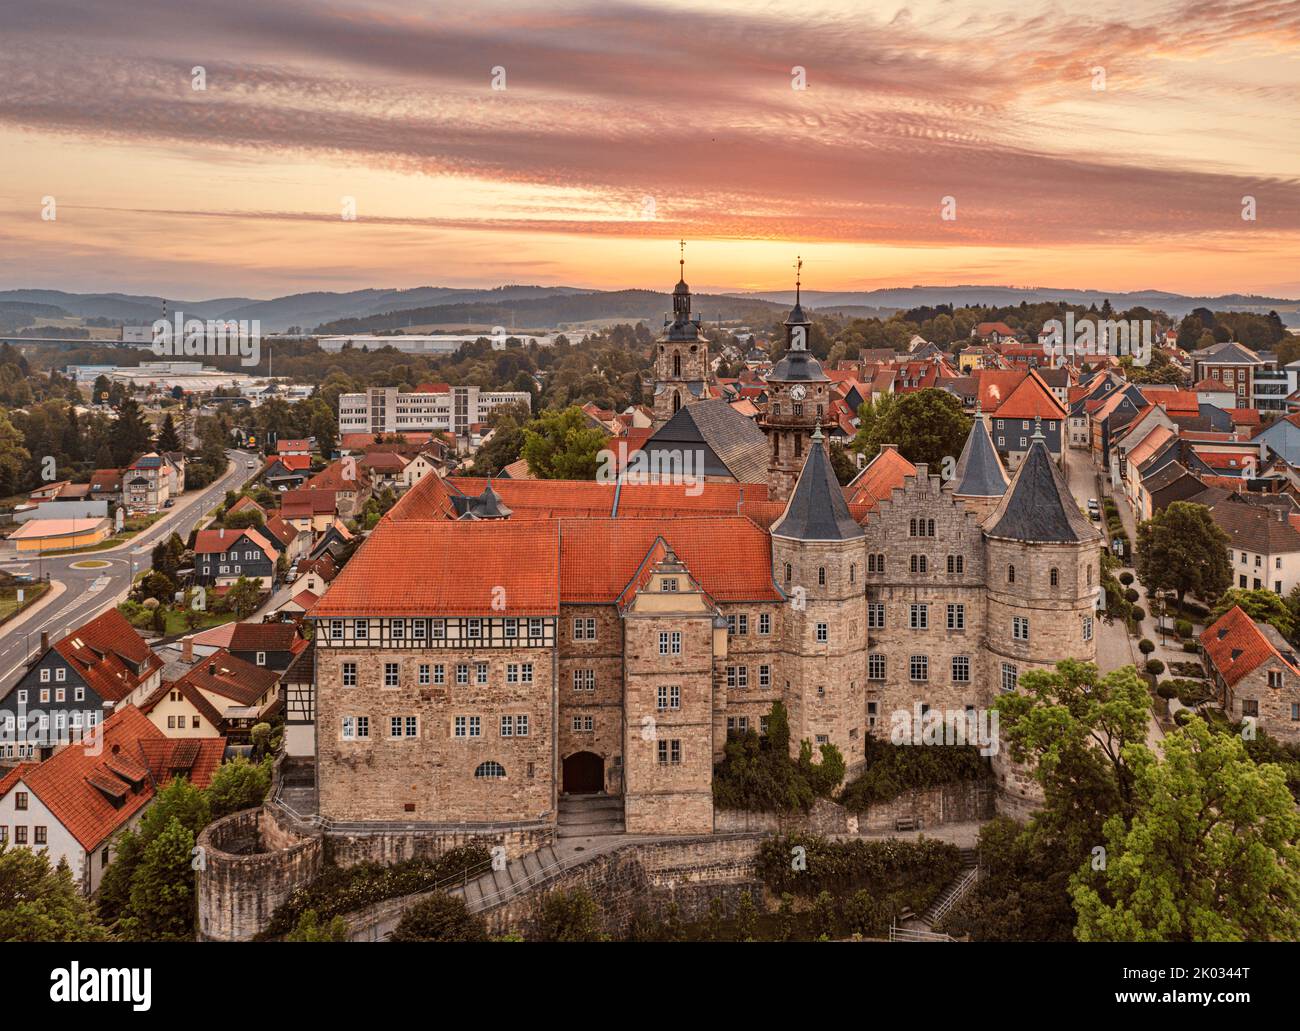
[[106, 480], [304, 503], [292, 463], [292, 445], [1031, 397], [13, 776], [265, 637], [877, 481], [339, 476], [466, 568], [223, 674], [1237, 645], [1244, 416], [109, 655], [91, 788]]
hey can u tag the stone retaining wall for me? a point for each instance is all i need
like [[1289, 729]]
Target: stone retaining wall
[[388, 847]]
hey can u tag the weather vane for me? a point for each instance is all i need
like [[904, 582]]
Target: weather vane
[[682, 261], [798, 275]]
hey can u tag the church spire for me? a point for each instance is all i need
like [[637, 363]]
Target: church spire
[[682, 292]]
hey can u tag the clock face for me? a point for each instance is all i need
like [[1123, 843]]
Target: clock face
[[798, 392]]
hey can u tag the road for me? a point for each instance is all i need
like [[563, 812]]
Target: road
[[89, 591]]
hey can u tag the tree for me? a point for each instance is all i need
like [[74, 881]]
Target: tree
[[310, 929], [131, 434], [928, 426], [42, 903], [162, 888], [560, 445], [168, 438], [14, 457], [243, 597], [1261, 605], [569, 916], [440, 918], [1210, 855], [237, 785], [1182, 550], [746, 918]]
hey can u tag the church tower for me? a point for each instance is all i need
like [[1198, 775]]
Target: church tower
[[681, 359], [798, 399]]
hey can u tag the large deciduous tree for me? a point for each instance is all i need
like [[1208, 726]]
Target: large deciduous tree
[[561, 445], [1182, 550], [1210, 855], [928, 426]]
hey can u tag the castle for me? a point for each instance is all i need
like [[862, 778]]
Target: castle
[[495, 646]]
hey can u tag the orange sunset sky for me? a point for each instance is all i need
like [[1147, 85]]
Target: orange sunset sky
[[624, 126]]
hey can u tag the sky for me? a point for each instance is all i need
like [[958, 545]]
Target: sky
[[1103, 145]]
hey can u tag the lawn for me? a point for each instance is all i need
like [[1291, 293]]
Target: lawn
[[9, 598]]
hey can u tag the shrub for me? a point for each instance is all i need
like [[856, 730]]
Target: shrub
[[440, 918], [341, 890], [892, 769], [1146, 646], [1191, 646], [1126, 578], [1155, 667], [1167, 690], [310, 929], [1138, 613], [757, 772], [1131, 595], [1184, 628], [1189, 692], [239, 784], [568, 916]]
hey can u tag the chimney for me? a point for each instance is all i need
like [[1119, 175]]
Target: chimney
[[888, 447], [212, 669], [221, 534], [187, 649], [45, 640]]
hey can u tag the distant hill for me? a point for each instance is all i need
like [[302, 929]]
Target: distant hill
[[646, 306], [902, 298]]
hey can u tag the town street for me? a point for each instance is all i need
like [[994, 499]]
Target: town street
[[92, 588]]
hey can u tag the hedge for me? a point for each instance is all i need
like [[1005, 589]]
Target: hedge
[[892, 769]]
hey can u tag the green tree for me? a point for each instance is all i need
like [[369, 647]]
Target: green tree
[[928, 426], [239, 784], [1210, 855], [440, 918], [243, 597], [131, 434], [162, 888], [1181, 550], [310, 929], [746, 918], [561, 445], [1262, 605], [42, 903], [168, 438], [569, 916]]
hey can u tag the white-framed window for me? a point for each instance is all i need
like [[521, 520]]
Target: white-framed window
[[764, 676], [511, 627], [1020, 628], [961, 669], [584, 628], [584, 724], [361, 629], [490, 770], [1010, 677], [956, 617], [764, 623], [390, 674], [438, 629], [670, 752], [260, 659], [462, 673], [668, 584], [669, 697], [61, 674], [439, 673], [419, 629], [1087, 628], [45, 676], [875, 615], [480, 673], [584, 680], [875, 666], [423, 674], [397, 629], [919, 616], [78, 694], [535, 628], [349, 674], [402, 726], [60, 694], [823, 633], [919, 667], [474, 628], [356, 727], [336, 629]]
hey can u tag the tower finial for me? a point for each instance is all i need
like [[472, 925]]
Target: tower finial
[[798, 276], [1038, 428], [682, 260]]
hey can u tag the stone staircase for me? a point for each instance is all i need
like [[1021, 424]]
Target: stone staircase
[[955, 891], [589, 816], [497, 887]]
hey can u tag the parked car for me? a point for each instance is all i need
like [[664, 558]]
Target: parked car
[[169, 503]]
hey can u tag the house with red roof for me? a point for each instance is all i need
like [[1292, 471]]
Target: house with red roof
[[993, 332], [348, 480], [309, 510], [222, 556], [1257, 673], [301, 448], [218, 695], [74, 684], [1014, 406], [75, 803]]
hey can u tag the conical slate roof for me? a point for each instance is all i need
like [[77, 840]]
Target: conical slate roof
[[980, 472], [817, 510], [1038, 506]]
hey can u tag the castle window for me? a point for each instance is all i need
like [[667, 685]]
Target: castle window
[[480, 672], [776, 446], [355, 727], [511, 628], [677, 365], [424, 673], [462, 673], [764, 676], [957, 564], [670, 752], [919, 564], [789, 572], [956, 617], [390, 674], [876, 615], [1274, 678], [919, 616], [474, 628], [1011, 574], [764, 623], [490, 771], [798, 442], [439, 674], [349, 674], [1087, 628], [1054, 578], [961, 669], [1090, 576], [1020, 628], [584, 680], [1010, 677], [875, 667], [919, 667], [853, 572], [668, 584], [823, 633], [669, 697], [821, 576], [403, 726]]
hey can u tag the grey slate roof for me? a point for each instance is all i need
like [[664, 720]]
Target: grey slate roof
[[817, 510], [1038, 506], [980, 472], [798, 367], [732, 444]]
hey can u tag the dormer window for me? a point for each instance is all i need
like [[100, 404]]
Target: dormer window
[[668, 584]]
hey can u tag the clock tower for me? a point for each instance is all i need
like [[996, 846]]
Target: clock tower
[[681, 358], [798, 401]]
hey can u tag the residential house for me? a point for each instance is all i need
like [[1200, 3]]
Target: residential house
[[270, 645], [151, 481], [222, 556], [310, 510], [1264, 545], [75, 803], [74, 684], [1256, 672]]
